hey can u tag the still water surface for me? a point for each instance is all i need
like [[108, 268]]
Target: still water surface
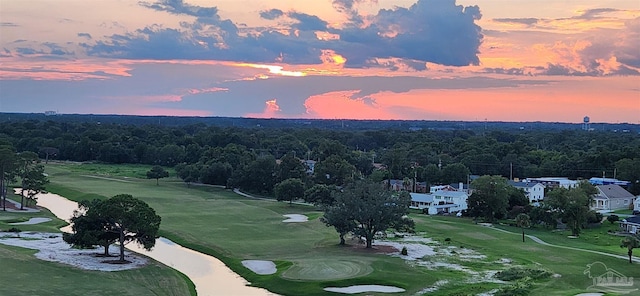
[[209, 274]]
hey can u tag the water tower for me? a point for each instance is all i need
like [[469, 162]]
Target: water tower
[[586, 125]]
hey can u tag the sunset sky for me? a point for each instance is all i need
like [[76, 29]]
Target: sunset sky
[[496, 60]]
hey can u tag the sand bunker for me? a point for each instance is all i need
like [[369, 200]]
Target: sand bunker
[[365, 288], [32, 221], [51, 247], [295, 218], [260, 267]]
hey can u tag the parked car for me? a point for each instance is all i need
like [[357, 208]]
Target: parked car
[[635, 212]]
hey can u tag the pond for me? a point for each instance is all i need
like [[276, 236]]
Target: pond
[[210, 275]]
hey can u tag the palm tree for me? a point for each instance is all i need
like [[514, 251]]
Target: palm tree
[[523, 221], [630, 242]]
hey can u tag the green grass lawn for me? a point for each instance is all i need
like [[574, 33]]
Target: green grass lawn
[[234, 228], [23, 274], [625, 212]]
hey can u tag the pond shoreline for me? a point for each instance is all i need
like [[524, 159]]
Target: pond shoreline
[[209, 274]]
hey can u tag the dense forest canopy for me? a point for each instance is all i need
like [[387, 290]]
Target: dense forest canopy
[[251, 156]]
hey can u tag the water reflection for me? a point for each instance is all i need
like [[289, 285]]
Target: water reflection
[[209, 274]]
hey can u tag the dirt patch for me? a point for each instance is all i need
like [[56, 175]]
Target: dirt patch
[[379, 249]]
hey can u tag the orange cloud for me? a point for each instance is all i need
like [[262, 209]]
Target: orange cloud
[[271, 110], [273, 69]]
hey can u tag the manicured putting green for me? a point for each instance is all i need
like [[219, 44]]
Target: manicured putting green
[[321, 269]]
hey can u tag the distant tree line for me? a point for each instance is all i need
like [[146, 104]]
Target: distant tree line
[[256, 159]]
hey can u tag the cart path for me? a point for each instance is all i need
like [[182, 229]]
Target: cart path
[[539, 241]]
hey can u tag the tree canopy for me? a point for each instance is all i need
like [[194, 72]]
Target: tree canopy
[[7, 164], [369, 208], [630, 242], [289, 190], [572, 205], [157, 172], [490, 198], [121, 218]]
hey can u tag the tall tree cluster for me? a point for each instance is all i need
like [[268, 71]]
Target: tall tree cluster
[[26, 168], [236, 156]]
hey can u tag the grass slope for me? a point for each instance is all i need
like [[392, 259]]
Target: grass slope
[[234, 228], [23, 274]]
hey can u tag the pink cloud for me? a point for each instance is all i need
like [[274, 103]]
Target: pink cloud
[[271, 110]]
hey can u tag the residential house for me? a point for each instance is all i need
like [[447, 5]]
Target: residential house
[[611, 198], [631, 224], [533, 191], [399, 185], [636, 204], [554, 182], [439, 201], [442, 188], [310, 165], [462, 187]]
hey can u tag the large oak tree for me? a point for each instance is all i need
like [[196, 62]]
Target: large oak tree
[[371, 207], [122, 217]]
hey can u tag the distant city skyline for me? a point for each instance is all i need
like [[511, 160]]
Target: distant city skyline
[[496, 60]]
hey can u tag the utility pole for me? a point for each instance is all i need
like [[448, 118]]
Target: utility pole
[[511, 171]]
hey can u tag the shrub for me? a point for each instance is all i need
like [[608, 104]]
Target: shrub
[[404, 251], [516, 273], [448, 239], [520, 288], [613, 218], [13, 229]]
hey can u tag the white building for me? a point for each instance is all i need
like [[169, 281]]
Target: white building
[[553, 182], [439, 202], [533, 191]]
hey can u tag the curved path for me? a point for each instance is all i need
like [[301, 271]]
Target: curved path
[[237, 191], [539, 241]]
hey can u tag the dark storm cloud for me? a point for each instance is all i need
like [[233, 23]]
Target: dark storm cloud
[[524, 21], [8, 24], [271, 14], [307, 22], [84, 35], [292, 91], [179, 7], [46, 49], [348, 7], [437, 31]]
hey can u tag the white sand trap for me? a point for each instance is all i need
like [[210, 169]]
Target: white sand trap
[[51, 247], [296, 218], [365, 288], [260, 267], [32, 221]]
